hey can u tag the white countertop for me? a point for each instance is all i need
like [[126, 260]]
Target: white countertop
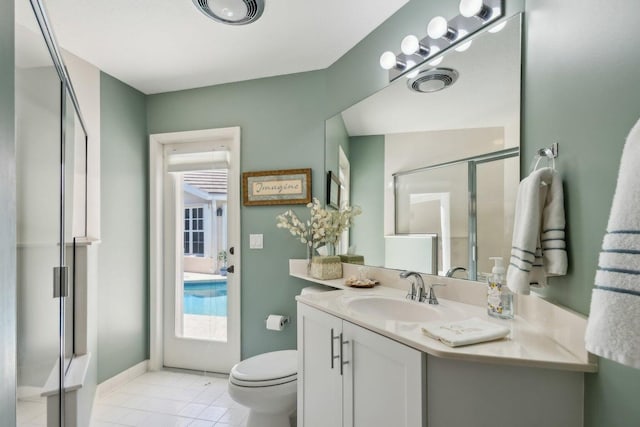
[[526, 345]]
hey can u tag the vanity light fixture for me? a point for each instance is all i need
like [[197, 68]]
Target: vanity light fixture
[[389, 60], [411, 45], [439, 28], [477, 8], [442, 35], [231, 12]]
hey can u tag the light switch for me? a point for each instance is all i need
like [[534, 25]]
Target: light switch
[[255, 241]]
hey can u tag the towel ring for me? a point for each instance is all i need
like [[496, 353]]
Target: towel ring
[[545, 153]]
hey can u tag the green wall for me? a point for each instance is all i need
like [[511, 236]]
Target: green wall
[[367, 178], [581, 89], [282, 127], [335, 136], [7, 219], [123, 301]]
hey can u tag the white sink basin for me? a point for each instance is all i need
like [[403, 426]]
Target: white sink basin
[[389, 308]]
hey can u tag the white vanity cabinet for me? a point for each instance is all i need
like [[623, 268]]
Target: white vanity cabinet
[[352, 377]]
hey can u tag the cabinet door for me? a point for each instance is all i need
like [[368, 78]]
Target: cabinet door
[[319, 384], [384, 381]]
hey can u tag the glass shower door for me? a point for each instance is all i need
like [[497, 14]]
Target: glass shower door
[[51, 167]]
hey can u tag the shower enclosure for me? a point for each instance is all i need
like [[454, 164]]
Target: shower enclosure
[[51, 169]]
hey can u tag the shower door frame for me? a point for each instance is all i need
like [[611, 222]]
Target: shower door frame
[[472, 183]]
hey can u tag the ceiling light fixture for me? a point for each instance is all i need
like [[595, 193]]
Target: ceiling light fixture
[[442, 35], [232, 12]]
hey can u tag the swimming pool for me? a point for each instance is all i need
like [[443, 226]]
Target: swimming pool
[[205, 298]]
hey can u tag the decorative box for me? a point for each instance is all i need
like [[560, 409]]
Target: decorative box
[[352, 259], [326, 267]]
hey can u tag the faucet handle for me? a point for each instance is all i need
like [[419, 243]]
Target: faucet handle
[[431, 294]]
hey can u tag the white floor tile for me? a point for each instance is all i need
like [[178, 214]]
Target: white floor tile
[[172, 399], [212, 413], [192, 410], [202, 423], [235, 416], [164, 420]]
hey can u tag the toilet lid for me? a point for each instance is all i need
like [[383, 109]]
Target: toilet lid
[[272, 368]]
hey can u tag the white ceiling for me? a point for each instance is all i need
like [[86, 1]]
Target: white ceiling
[[167, 45]]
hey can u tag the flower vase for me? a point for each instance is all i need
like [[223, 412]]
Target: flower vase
[[331, 249], [309, 257]]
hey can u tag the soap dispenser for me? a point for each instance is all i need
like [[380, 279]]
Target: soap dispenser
[[499, 297]]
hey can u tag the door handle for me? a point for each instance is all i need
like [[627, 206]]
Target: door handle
[[342, 362], [231, 269], [231, 250], [333, 338]]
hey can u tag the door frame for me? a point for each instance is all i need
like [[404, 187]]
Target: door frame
[[157, 230]]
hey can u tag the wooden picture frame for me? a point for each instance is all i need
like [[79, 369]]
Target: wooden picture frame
[[277, 187], [333, 190]]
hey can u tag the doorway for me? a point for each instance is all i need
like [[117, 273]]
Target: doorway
[[195, 250]]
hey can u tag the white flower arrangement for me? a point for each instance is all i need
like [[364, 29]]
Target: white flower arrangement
[[323, 226]]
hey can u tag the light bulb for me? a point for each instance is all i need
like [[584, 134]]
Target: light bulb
[[436, 62], [469, 8], [437, 27], [410, 45], [413, 73], [498, 27], [464, 46], [388, 60], [434, 51], [410, 65]]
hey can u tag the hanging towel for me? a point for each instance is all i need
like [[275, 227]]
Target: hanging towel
[[612, 329], [538, 247]]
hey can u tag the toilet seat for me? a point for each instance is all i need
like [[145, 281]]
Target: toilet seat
[[265, 370]]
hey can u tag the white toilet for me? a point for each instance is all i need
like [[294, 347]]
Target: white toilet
[[266, 384]]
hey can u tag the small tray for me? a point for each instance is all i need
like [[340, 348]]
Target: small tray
[[357, 283]]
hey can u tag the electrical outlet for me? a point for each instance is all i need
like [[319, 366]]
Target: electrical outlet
[[255, 241]]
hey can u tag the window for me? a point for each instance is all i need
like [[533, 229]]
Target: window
[[194, 231]]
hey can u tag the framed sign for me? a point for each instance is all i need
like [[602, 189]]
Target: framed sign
[[281, 187], [333, 190]]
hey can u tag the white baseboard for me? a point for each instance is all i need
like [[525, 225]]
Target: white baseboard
[[122, 378]]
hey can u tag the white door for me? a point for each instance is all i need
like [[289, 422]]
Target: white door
[[201, 254]]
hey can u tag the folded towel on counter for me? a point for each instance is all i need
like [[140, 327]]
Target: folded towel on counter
[[612, 328], [464, 332], [538, 247]]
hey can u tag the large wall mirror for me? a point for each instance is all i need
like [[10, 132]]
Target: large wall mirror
[[436, 173]]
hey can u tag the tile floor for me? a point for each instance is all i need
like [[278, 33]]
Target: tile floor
[[166, 398]]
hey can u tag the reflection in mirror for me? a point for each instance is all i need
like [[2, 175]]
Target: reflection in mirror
[[424, 163]]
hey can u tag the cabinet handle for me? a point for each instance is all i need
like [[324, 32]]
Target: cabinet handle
[[332, 338], [342, 362]]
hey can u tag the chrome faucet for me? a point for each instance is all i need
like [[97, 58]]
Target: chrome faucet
[[452, 270], [417, 293]]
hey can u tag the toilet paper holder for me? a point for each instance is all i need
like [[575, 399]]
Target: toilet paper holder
[[284, 320]]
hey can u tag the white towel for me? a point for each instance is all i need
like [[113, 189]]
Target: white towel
[[538, 247], [464, 332], [612, 329]]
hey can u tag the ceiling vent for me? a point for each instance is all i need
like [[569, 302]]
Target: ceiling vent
[[232, 12], [433, 80]]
